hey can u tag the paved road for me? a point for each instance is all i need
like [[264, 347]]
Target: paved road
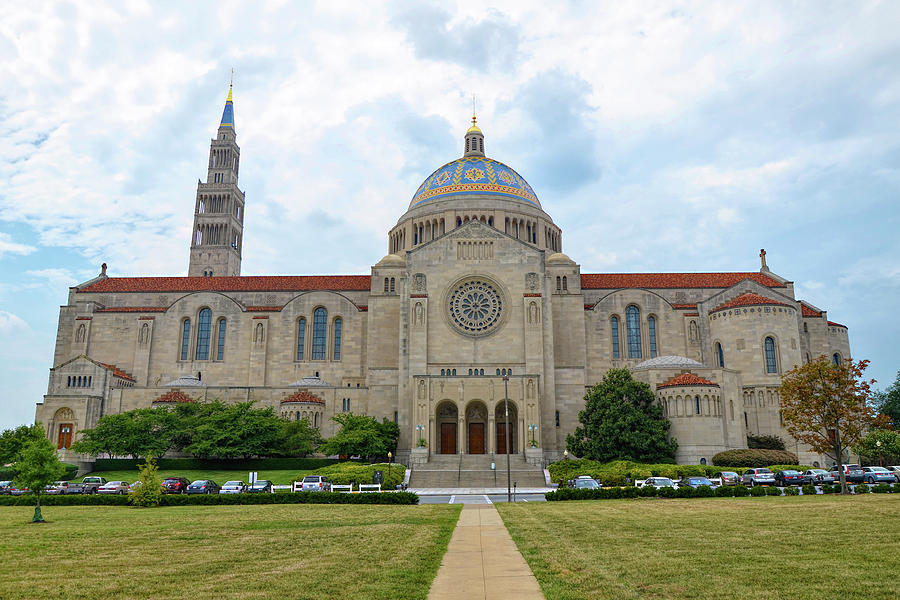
[[478, 498]]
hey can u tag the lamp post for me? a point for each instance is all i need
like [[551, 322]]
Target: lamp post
[[532, 428], [878, 444], [506, 410], [390, 456], [566, 455]]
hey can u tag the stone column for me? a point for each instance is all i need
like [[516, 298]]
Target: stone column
[[460, 434]]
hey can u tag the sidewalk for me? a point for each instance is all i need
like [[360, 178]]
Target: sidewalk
[[482, 561]]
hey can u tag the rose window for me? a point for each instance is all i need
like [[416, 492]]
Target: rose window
[[475, 307]]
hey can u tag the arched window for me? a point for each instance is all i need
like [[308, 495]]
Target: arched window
[[498, 371], [557, 418], [442, 373], [558, 283], [771, 361], [651, 331], [337, 338], [746, 421], [470, 371], [633, 331], [220, 342], [836, 359], [204, 324], [697, 404], [301, 335], [702, 461], [392, 285], [185, 338], [720, 355], [320, 320], [454, 371], [386, 285], [614, 329], [565, 284], [458, 221]]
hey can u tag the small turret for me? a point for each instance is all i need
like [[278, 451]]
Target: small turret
[[474, 140]]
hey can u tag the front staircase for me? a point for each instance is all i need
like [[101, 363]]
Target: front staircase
[[474, 471]]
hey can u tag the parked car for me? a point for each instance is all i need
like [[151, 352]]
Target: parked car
[[788, 477], [658, 482], [233, 487], [758, 476], [135, 485], [260, 486], [57, 488], [18, 490], [113, 487], [817, 476], [175, 485], [585, 482], [895, 470], [5, 486], [695, 482], [315, 483], [729, 478], [852, 473], [878, 475], [91, 484], [203, 486]]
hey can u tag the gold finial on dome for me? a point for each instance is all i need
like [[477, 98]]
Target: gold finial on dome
[[474, 128]]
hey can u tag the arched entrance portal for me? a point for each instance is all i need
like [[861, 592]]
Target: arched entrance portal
[[502, 428], [476, 427], [447, 422], [64, 425]]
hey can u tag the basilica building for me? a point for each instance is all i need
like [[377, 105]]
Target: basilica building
[[474, 302]]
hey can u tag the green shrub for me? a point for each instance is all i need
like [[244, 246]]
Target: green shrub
[[768, 442], [704, 491], [686, 492], [725, 491], [754, 458], [861, 488], [772, 491], [800, 468], [741, 492], [882, 488], [808, 489], [149, 492], [831, 489], [200, 464], [757, 491], [667, 492]]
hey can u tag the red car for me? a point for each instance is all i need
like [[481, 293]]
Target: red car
[[175, 485]]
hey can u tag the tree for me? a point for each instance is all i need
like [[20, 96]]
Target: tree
[[149, 492], [765, 442], [38, 467], [236, 431], [362, 435], [299, 438], [888, 453], [887, 403], [621, 420], [13, 441], [137, 433], [827, 406]]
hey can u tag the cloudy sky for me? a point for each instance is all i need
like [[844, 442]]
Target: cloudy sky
[[659, 136]]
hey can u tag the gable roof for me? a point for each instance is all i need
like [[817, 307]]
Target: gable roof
[[686, 379], [173, 397], [605, 281], [806, 311], [303, 396], [261, 283], [748, 299]]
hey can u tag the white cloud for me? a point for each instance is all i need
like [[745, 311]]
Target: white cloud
[[11, 324], [8, 246]]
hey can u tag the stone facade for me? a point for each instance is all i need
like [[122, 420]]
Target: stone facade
[[473, 304]]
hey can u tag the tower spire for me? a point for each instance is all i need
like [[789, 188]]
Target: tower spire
[[228, 113]]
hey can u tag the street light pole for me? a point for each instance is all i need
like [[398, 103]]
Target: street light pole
[[566, 454], [506, 410]]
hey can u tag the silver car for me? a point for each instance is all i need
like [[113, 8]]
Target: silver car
[[233, 487], [113, 487], [817, 476], [659, 482], [878, 475], [316, 483], [758, 476]]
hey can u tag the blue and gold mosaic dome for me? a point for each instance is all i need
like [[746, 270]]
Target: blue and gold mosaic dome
[[474, 175]]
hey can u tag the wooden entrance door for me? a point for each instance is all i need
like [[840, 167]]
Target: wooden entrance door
[[476, 438], [448, 438], [64, 440], [501, 438]]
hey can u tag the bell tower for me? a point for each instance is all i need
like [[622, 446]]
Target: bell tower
[[219, 208]]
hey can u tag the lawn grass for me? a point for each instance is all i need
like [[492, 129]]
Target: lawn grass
[[280, 551], [220, 476], [791, 547]]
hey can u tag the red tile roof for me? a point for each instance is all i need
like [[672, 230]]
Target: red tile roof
[[173, 397], [118, 372], [808, 312], [264, 283], [748, 300], [833, 324], [599, 281], [303, 396], [686, 379]]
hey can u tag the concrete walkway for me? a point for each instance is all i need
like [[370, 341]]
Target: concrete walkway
[[482, 561]]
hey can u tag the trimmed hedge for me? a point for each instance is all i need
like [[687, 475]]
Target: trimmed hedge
[[187, 464], [219, 499], [754, 458], [619, 471]]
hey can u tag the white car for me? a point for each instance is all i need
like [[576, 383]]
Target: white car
[[895, 470], [113, 487], [659, 482], [233, 487]]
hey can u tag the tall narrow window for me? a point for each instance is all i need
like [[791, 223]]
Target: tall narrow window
[[565, 284], [697, 404], [320, 319], [771, 361], [558, 283], [836, 359], [720, 355], [633, 331], [301, 337], [185, 338], [651, 331], [220, 342], [392, 285], [614, 334], [204, 324], [386, 285], [337, 339]]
